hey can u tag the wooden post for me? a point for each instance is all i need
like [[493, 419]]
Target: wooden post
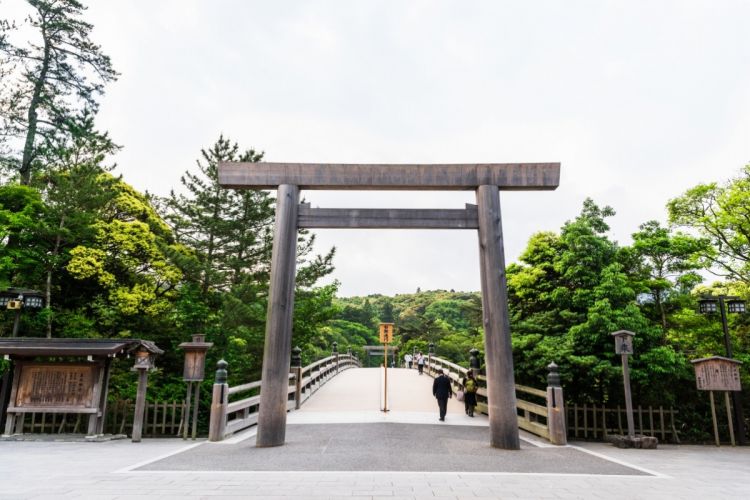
[[585, 412], [16, 323], [661, 422], [628, 398], [5, 394], [297, 370], [98, 389], [140, 405], [219, 400], [713, 418], [103, 398], [13, 418], [385, 379], [196, 399], [186, 413], [278, 345], [501, 393], [297, 386], [729, 418], [555, 408]]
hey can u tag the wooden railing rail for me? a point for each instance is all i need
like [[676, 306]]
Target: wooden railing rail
[[230, 417], [545, 420]]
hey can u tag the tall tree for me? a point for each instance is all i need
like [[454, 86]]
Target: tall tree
[[722, 215], [128, 265], [49, 84], [666, 261], [230, 234], [228, 230]]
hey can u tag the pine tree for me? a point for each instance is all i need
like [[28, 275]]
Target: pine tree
[[229, 231], [48, 87]]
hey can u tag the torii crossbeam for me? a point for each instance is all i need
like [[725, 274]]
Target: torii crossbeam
[[487, 179]]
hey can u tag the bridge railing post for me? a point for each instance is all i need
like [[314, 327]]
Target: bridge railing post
[[297, 371], [219, 401], [474, 364], [555, 407]]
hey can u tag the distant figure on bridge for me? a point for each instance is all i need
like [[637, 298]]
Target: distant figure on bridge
[[420, 362], [407, 360], [470, 392], [442, 390]]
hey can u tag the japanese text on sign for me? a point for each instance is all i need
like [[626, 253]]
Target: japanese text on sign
[[386, 333]]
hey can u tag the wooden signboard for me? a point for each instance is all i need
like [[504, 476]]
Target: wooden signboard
[[717, 374], [386, 333], [68, 387]]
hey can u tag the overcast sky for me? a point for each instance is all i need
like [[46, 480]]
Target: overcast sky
[[638, 101]]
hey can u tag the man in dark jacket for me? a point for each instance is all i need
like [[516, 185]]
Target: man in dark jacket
[[442, 390]]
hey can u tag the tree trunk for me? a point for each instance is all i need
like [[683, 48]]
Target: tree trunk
[[48, 291], [28, 146], [663, 314]]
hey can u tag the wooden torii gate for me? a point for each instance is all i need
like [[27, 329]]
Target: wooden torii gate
[[486, 179]]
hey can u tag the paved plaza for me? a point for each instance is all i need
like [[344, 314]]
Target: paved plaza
[[353, 450]]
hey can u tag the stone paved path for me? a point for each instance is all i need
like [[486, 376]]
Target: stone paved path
[[124, 470], [104, 471]]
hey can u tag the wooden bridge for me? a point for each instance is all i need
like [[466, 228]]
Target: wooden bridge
[[345, 392]]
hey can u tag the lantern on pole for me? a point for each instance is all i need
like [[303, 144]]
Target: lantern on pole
[[193, 373], [18, 299], [144, 361]]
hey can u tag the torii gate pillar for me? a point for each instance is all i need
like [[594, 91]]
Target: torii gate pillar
[[274, 392], [501, 388]]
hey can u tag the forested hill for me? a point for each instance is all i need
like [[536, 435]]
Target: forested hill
[[451, 320]]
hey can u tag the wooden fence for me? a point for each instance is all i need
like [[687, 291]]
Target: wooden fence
[[540, 416], [597, 422], [228, 417], [161, 419]]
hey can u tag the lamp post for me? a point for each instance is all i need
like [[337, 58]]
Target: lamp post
[[193, 371], [17, 299], [726, 303]]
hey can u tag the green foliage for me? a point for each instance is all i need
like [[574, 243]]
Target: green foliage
[[450, 320], [127, 262], [721, 214], [21, 208]]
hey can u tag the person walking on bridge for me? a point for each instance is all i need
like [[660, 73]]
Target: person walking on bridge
[[420, 362], [442, 390], [407, 360], [470, 392]]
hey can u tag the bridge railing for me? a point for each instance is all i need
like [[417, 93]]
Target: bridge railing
[[540, 412], [228, 417]]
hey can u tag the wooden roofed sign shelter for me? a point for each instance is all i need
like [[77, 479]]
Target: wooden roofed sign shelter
[[485, 179], [73, 379]]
